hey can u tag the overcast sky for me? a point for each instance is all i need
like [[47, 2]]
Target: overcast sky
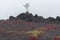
[[43, 8]]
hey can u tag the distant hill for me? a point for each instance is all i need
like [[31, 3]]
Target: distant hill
[[38, 19]]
